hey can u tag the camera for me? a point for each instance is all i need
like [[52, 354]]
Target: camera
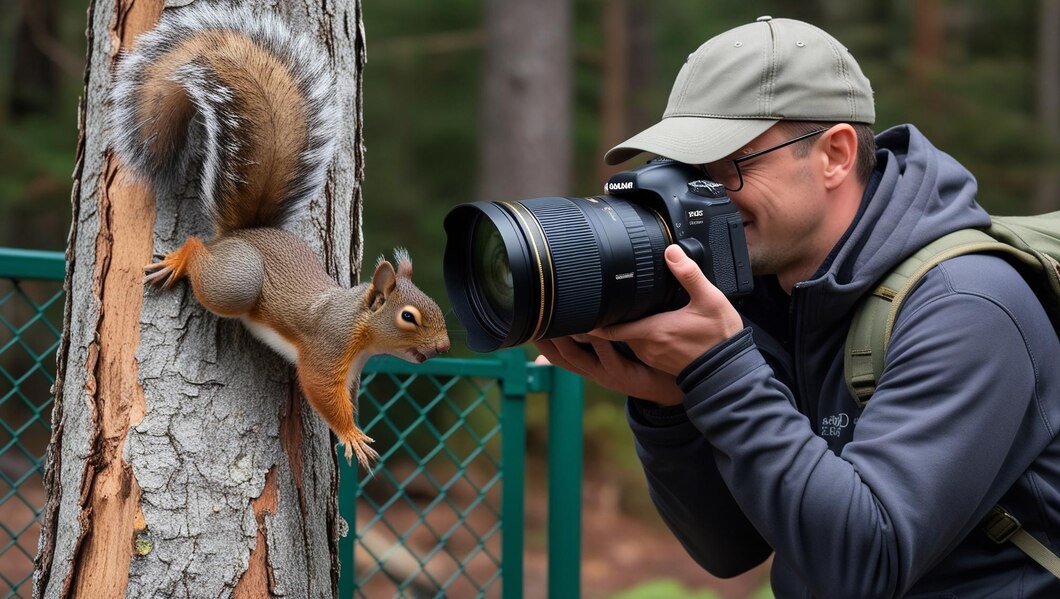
[[522, 270]]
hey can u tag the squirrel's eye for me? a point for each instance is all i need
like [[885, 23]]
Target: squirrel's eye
[[408, 319]]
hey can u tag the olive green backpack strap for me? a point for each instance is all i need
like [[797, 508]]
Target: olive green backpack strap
[[1001, 526], [1032, 243], [870, 330]]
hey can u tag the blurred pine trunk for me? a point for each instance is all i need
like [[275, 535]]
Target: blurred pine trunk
[[1047, 188], [525, 139]]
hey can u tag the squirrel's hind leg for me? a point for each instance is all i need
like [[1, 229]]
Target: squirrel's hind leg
[[226, 274]]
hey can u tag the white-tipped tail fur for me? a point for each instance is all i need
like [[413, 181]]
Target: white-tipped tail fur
[[182, 108]]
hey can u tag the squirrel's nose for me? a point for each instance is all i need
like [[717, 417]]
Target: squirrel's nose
[[442, 347]]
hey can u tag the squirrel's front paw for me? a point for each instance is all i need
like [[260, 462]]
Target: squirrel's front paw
[[358, 444]]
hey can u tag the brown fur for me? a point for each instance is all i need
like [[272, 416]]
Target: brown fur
[[264, 95]]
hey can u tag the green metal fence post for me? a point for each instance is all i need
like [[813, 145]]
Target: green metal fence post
[[565, 409], [513, 459], [349, 487]]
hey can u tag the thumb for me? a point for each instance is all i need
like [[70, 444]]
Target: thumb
[[688, 273]]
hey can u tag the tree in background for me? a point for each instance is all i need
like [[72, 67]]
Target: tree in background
[[525, 130], [183, 462], [1047, 189]]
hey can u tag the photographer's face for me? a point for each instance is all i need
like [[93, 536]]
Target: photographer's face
[[783, 204]]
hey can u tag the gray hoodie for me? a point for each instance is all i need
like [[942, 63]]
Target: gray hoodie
[[769, 453]]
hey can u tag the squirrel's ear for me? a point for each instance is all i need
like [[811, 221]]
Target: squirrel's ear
[[383, 282], [404, 263]]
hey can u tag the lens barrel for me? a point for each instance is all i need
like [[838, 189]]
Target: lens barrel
[[534, 269]]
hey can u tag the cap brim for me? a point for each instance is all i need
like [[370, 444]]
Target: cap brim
[[691, 139]]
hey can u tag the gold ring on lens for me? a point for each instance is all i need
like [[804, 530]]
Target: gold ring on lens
[[519, 210]]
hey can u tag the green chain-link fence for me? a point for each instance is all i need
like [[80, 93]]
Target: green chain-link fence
[[441, 514], [31, 305]]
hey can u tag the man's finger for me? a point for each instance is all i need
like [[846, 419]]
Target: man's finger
[[688, 274], [625, 331], [567, 354], [609, 357]]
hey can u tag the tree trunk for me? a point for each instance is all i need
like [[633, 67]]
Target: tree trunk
[[183, 461], [614, 78], [526, 122], [928, 41], [1047, 188]]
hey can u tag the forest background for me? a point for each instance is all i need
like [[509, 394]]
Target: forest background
[[980, 78]]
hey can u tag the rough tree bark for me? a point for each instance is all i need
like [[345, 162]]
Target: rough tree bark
[[183, 461]]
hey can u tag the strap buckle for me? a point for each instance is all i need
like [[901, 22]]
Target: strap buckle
[[1000, 524]]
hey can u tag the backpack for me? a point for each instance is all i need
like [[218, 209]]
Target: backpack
[[1032, 245]]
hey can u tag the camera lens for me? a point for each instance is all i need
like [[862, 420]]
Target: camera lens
[[546, 267], [491, 272]]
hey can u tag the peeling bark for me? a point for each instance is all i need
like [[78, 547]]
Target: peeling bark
[[182, 462]]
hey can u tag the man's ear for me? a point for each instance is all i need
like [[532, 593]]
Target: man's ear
[[839, 154], [383, 283]]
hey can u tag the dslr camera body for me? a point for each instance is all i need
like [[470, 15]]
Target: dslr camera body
[[519, 271]]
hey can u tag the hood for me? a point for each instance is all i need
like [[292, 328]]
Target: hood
[[923, 194]]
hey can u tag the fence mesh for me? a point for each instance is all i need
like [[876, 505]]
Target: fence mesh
[[30, 323], [428, 519]]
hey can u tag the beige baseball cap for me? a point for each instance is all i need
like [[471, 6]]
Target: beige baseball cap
[[739, 83]]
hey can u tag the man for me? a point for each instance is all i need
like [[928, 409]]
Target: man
[[750, 441]]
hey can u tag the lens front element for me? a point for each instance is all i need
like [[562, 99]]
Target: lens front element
[[547, 267], [491, 273]]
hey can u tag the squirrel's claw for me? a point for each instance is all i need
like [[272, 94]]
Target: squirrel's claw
[[166, 271], [160, 273], [358, 444]]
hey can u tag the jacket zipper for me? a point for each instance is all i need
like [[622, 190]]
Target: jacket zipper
[[795, 330]]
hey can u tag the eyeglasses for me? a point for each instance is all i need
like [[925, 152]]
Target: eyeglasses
[[727, 172]]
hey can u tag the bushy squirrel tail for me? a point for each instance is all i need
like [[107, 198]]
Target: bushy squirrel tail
[[233, 98]]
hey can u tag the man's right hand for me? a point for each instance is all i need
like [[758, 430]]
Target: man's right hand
[[598, 359]]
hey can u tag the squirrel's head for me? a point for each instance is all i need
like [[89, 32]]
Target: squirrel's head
[[408, 323]]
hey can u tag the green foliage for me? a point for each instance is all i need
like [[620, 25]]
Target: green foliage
[[664, 588], [671, 589], [420, 108]]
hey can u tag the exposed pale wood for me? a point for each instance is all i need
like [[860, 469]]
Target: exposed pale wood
[[112, 499], [256, 582]]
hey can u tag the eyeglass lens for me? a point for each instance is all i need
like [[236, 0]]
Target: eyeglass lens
[[727, 172]]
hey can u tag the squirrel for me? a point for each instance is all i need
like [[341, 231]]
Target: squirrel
[[235, 99]]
